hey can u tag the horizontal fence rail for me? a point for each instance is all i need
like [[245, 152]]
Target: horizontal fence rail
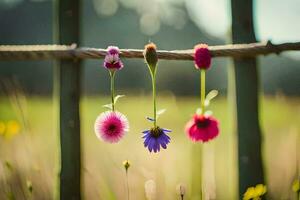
[[46, 52]]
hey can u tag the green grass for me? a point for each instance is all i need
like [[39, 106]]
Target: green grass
[[34, 153]]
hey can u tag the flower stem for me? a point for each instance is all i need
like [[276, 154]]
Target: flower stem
[[202, 92], [201, 171], [112, 89], [153, 76], [127, 184]]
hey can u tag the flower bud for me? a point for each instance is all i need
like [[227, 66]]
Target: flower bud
[[150, 56], [181, 189], [150, 189], [126, 164], [29, 186], [202, 57]]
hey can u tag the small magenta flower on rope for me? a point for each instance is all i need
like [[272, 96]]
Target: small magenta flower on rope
[[111, 126], [203, 127], [155, 137]]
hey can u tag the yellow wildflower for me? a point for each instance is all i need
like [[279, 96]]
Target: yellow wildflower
[[249, 194], [255, 192], [13, 127], [296, 185], [260, 190]]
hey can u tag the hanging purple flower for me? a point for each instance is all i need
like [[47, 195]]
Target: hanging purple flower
[[112, 60], [155, 138]]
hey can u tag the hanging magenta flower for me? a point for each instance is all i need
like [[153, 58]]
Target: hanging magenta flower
[[111, 126], [155, 137], [202, 127], [202, 57], [112, 60]]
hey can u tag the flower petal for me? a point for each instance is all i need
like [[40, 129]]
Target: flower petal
[[166, 130], [146, 131]]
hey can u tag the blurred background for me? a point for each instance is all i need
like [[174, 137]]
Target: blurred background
[[28, 110]]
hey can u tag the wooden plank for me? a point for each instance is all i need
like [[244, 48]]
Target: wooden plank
[[68, 75], [247, 105]]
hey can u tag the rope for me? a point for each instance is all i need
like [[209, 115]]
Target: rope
[[46, 52]]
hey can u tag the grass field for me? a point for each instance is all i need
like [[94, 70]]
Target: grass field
[[32, 155]]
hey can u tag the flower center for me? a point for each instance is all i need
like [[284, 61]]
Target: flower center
[[202, 122], [156, 132], [111, 128]]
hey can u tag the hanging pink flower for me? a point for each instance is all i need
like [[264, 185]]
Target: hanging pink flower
[[202, 128], [111, 126], [112, 60], [202, 56]]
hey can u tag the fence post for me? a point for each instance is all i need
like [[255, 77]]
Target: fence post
[[246, 99], [66, 24]]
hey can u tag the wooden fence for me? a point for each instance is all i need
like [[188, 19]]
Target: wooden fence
[[243, 88]]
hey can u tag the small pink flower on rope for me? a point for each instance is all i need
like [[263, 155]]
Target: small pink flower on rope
[[203, 127], [112, 60], [202, 57], [111, 126]]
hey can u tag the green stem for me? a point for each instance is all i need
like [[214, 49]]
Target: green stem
[[153, 76], [112, 89], [201, 171], [202, 92], [127, 184]]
